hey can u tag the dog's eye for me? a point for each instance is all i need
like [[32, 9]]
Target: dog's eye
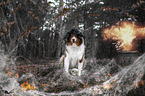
[[80, 36]]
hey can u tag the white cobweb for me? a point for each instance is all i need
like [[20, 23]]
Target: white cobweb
[[101, 77]]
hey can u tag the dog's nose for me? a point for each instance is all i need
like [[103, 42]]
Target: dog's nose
[[73, 40]]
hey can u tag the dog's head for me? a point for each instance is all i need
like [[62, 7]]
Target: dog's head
[[74, 37]]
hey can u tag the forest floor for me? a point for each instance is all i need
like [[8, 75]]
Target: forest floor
[[101, 76], [48, 76]]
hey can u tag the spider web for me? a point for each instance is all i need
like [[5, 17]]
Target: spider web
[[103, 76]]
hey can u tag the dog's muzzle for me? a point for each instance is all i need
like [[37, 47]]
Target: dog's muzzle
[[73, 39]]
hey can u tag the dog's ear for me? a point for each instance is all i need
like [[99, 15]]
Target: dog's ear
[[81, 35], [66, 36], [84, 37], [74, 30]]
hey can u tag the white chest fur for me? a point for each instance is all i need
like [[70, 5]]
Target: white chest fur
[[75, 53]]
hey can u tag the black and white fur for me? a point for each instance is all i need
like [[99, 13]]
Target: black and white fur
[[74, 52]]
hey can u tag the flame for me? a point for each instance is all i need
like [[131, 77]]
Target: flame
[[27, 86], [124, 33]]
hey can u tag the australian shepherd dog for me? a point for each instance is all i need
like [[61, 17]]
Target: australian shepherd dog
[[74, 60]]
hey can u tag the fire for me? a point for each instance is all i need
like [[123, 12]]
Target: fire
[[124, 33], [27, 86]]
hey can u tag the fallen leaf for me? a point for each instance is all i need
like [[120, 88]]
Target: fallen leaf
[[93, 15], [133, 6], [20, 36], [16, 75], [1, 33], [16, 8], [108, 74], [26, 32], [36, 17], [48, 4], [62, 12], [33, 15], [4, 29], [30, 12], [109, 8], [142, 2], [137, 85], [44, 85], [4, 3], [104, 8], [142, 82], [9, 24], [115, 9], [9, 73], [31, 28]]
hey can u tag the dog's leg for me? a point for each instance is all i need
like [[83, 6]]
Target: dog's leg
[[66, 64], [80, 66], [61, 60]]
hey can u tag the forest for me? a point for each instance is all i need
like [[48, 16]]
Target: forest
[[31, 40]]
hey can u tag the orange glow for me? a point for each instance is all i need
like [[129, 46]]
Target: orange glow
[[9, 73], [27, 86], [16, 75], [108, 86], [108, 75], [85, 85], [142, 82], [44, 85], [136, 84], [124, 33]]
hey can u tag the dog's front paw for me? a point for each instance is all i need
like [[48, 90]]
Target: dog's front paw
[[77, 72], [74, 71], [66, 73]]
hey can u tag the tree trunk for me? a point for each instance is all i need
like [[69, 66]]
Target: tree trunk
[[59, 31]]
